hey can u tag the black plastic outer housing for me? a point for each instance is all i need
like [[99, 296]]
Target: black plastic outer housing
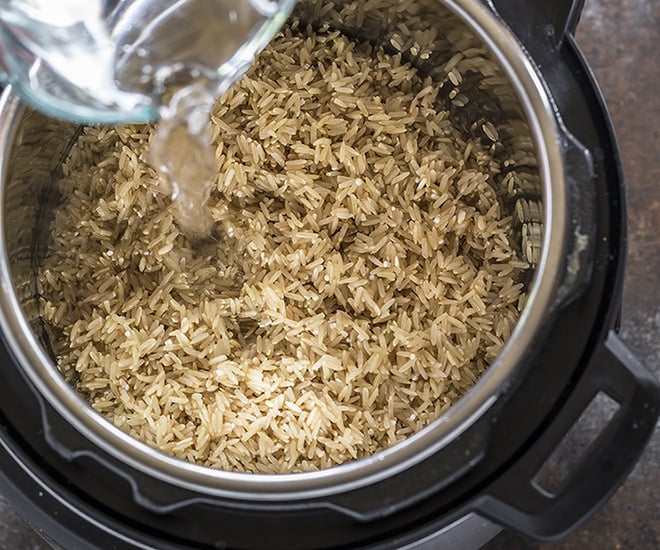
[[93, 501]]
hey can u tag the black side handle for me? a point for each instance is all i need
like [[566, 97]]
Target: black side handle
[[516, 501], [532, 20]]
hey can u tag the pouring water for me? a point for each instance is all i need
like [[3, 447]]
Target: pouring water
[[114, 61]]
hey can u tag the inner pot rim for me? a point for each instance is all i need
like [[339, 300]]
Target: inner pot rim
[[40, 370]]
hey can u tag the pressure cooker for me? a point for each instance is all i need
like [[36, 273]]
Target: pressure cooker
[[85, 484]]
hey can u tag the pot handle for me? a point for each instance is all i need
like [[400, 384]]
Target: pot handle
[[530, 21], [516, 500]]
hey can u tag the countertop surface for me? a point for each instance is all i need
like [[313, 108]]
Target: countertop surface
[[621, 41]]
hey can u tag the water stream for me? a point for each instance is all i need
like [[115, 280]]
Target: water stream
[[113, 61]]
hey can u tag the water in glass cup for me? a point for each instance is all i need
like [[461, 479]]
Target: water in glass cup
[[113, 61]]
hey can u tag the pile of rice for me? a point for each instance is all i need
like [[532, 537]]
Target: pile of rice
[[363, 278]]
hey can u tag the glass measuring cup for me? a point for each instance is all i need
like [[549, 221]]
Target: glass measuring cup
[[113, 61]]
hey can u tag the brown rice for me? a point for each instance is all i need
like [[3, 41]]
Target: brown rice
[[364, 277]]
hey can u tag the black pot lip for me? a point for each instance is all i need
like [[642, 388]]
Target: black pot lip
[[544, 127]]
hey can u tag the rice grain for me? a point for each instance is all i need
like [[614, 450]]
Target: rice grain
[[364, 276]]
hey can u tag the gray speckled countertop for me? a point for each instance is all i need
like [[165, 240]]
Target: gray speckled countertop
[[620, 38]]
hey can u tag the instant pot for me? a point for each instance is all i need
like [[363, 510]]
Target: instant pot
[[85, 484]]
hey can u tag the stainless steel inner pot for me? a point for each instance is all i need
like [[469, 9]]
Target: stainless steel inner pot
[[33, 147]]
